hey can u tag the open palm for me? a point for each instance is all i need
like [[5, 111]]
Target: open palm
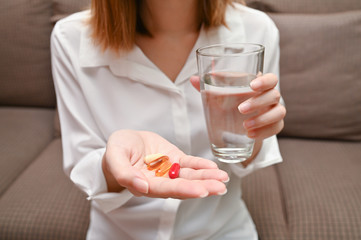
[[124, 161]]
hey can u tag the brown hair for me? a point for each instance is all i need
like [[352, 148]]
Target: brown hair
[[114, 23]]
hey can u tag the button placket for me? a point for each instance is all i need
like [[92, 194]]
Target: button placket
[[181, 120]]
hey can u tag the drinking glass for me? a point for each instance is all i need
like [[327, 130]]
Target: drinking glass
[[226, 71]]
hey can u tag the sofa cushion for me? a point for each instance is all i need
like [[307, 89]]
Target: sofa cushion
[[25, 72], [62, 8], [305, 6], [321, 186], [57, 129], [263, 197], [43, 203], [25, 132], [320, 74]]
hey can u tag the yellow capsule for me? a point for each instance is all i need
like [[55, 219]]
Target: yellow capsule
[[152, 158], [159, 163], [163, 169], [155, 165]]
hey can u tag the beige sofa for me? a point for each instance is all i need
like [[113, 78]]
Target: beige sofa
[[314, 194]]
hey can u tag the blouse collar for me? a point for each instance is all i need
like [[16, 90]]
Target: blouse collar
[[135, 65]]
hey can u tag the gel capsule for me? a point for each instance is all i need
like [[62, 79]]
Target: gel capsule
[[163, 169], [174, 171]]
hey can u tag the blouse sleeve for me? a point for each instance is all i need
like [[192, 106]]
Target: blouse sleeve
[[269, 37], [82, 141]]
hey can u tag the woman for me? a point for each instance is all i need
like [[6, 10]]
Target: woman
[[125, 75]]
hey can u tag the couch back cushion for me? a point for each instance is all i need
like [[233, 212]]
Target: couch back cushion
[[63, 8], [321, 74], [306, 6], [25, 67], [25, 72]]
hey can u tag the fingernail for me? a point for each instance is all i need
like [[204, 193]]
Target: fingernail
[[244, 107], [255, 84], [222, 193], [141, 185], [204, 195], [227, 180]]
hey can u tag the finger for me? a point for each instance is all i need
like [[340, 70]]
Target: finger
[[176, 188], [273, 115], [214, 187], [188, 161], [266, 131], [195, 82], [204, 174], [183, 188], [264, 82], [270, 97]]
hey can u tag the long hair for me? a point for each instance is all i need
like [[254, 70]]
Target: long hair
[[115, 23]]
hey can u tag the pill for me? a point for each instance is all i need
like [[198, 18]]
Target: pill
[[174, 170], [160, 164], [163, 169], [153, 158], [155, 165]]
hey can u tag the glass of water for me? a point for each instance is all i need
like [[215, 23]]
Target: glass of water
[[226, 71]]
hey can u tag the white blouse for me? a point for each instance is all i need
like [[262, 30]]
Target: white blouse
[[99, 93]]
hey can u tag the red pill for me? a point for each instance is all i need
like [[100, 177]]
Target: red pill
[[174, 170]]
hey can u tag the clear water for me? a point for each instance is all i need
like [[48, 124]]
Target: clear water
[[221, 95]]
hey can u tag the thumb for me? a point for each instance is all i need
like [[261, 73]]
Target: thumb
[[195, 82], [125, 174], [138, 182]]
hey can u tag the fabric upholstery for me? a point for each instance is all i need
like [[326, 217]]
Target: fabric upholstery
[[265, 203], [314, 194], [62, 8], [320, 74], [43, 203], [57, 129], [305, 6], [24, 132], [321, 186], [25, 74]]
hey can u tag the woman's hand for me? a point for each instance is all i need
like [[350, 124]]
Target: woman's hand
[[124, 167], [269, 113]]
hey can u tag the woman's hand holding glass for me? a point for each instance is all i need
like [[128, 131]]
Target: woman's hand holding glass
[[266, 104], [269, 112]]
